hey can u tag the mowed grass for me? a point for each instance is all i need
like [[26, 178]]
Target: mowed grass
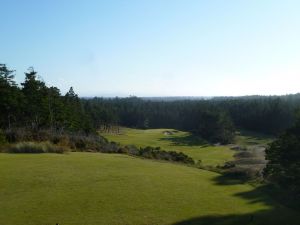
[[178, 141], [110, 189]]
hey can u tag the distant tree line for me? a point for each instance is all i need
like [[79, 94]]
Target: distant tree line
[[200, 117], [33, 105], [264, 114], [214, 119]]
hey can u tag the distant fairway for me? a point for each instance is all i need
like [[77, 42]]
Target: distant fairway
[[178, 141], [95, 188]]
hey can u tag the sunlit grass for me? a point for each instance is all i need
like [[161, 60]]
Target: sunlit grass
[[178, 141], [96, 189]]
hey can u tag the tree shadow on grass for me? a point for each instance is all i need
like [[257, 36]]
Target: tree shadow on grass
[[276, 214], [188, 140], [262, 217], [258, 194], [225, 179]]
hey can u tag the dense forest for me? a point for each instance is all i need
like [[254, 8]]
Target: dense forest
[[214, 119], [31, 106]]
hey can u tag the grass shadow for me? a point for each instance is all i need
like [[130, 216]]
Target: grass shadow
[[262, 217], [226, 179], [276, 214]]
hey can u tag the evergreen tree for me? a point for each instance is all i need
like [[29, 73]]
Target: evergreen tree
[[283, 157], [75, 118], [36, 105], [56, 108], [10, 97]]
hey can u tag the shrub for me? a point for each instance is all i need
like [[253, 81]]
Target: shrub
[[227, 165], [29, 142], [243, 173], [32, 147], [156, 153], [50, 148], [81, 142], [75, 140], [131, 150], [111, 147], [17, 135], [244, 154]]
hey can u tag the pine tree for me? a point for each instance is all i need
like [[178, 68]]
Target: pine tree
[[35, 93], [283, 157], [10, 97]]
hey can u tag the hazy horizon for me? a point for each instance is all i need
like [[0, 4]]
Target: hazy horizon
[[185, 96], [156, 48]]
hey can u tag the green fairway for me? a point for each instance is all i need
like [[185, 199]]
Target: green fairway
[[95, 188], [176, 141]]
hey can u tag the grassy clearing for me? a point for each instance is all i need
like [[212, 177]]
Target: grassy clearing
[[177, 141], [109, 189]]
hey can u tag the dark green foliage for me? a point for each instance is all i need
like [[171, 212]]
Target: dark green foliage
[[283, 167], [265, 114], [156, 153], [216, 127], [2, 138], [56, 111], [72, 104], [35, 106], [244, 173], [10, 97]]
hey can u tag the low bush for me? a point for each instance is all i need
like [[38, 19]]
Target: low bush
[[47, 141], [131, 150], [76, 139], [112, 147], [32, 147], [244, 154], [17, 135], [227, 165], [243, 172], [156, 153], [148, 153]]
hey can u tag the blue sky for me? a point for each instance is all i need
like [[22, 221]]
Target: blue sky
[[155, 47]]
